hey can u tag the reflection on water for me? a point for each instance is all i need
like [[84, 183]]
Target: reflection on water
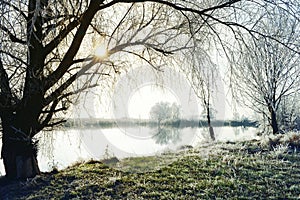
[[166, 135], [63, 148]]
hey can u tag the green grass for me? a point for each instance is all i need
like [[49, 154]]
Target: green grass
[[219, 171]]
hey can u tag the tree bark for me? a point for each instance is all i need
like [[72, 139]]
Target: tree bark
[[274, 123], [212, 133], [19, 165], [19, 153], [211, 129]]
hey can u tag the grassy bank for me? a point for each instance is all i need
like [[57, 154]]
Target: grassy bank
[[236, 171]]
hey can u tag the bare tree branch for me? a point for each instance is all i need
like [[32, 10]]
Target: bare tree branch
[[54, 95], [183, 8], [74, 47], [15, 8], [12, 37], [55, 42]]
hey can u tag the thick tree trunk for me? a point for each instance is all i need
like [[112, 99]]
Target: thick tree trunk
[[19, 158], [19, 153]]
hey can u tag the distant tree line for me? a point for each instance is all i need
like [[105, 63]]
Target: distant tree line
[[178, 123]]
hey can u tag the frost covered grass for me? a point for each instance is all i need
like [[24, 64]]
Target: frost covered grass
[[244, 170], [289, 139]]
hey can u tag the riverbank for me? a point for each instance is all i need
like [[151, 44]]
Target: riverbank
[[246, 170], [176, 123]]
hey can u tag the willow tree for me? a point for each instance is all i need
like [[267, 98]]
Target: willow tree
[[204, 79], [45, 50]]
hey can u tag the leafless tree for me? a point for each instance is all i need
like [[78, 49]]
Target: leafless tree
[[45, 48], [267, 73], [202, 74]]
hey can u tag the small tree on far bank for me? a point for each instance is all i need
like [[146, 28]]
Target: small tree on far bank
[[162, 111]]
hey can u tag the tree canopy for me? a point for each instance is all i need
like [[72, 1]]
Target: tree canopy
[[165, 111]]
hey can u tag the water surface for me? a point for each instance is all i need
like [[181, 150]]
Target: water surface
[[63, 148]]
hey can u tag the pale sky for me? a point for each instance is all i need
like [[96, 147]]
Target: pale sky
[[133, 98], [143, 98], [141, 102]]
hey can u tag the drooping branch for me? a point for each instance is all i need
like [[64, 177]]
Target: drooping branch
[[207, 13], [253, 32], [56, 123], [182, 8]]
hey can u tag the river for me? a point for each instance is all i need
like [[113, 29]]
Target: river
[[62, 148]]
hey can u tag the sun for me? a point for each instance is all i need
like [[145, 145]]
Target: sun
[[101, 51]]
